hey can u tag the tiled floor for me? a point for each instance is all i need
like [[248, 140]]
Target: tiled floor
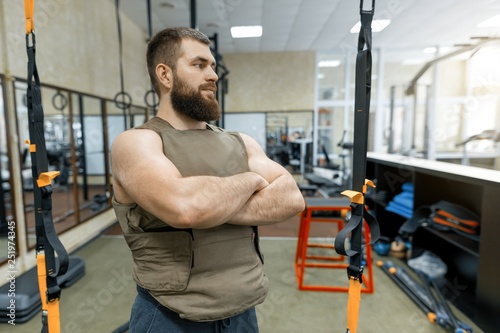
[[101, 300]]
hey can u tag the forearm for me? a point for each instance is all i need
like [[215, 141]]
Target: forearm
[[205, 201], [275, 203]]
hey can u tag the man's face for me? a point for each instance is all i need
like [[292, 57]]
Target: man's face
[[191, 102], [193, 90]]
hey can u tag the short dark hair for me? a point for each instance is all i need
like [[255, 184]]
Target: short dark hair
[[165, 48]]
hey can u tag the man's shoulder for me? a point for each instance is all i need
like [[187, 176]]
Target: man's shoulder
[[136, 133], [134, 137]]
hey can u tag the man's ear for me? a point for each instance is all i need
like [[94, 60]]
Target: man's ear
[[165, 76]]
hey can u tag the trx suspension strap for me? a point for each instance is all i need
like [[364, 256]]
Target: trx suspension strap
[[357, 195], [47, 242]]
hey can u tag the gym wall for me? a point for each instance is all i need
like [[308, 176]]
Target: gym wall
[[278, 81], [77, 46]]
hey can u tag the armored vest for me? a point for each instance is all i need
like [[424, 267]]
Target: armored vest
[[202, 274]]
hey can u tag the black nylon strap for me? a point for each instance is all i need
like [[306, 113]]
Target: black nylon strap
[[362, 101], [360, 145], [457, 210], [354, 222], [46, 236], [420, 215], [424, 215]]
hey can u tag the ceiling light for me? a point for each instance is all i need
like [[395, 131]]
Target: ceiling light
[[329, 63], [246, 31], [377, 26], [492, 22]]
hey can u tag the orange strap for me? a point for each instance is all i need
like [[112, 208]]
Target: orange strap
[[453, 225], [29, 10], [471, 223], [53, 316], [353, 304], [49, 309], [42, 276]]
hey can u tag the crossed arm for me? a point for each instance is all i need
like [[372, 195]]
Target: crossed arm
[[142, 174], [280, 200]]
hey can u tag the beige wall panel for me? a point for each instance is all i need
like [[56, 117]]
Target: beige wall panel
[[77, 46], [270, 81], [452, 78]]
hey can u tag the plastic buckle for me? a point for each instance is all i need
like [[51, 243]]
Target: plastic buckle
[[53, 293], [45, 316], [355, 272]]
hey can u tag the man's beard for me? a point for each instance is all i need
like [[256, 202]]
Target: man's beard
[[189, 101]]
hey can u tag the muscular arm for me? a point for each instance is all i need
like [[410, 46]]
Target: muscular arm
[[278, 201], [142, 174]]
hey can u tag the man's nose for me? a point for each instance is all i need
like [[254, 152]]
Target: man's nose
[[212, 75]]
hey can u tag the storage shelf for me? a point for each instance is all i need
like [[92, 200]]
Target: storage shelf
[[462, 242], [471, 264]]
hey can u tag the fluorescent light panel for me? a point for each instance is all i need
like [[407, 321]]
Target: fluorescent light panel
[[246, 31], [492, 22], [329, 63], [377, 26]]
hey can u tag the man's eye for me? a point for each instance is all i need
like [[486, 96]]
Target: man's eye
[[198, 65]]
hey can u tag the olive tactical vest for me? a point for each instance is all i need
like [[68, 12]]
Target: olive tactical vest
[[202, 274]]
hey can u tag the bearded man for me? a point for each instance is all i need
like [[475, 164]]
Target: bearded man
[[189, 197]]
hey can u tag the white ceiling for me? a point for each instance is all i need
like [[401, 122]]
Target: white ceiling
[[324, 25]]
